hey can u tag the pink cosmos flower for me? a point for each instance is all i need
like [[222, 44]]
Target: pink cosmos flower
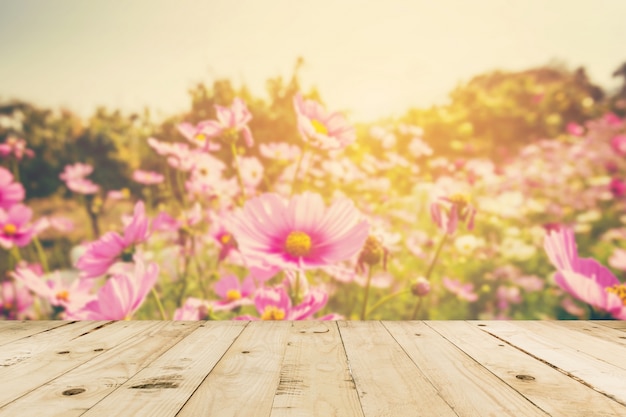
[[462, 291], [122, 294], [230, 121], [54, 290], [446, 212], [101, 254], [193, 309], [584, 278], [320, 128], [575, 129], [194, 135], [14, 227], [251, 171], [147, 177], [281, 151], [76, 171], [83, 186], [618, 259], [275, 304], [15, 300], [618, 143], [298, 234], [74, 178], [233, 293], [16, 147], [10, 192], [617, 187]]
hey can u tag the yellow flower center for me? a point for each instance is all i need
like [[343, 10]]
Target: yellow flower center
[[273, 313], [225, 238], [9, 229], [619, 290], [319, 127], [63, 295], [298, 244], [233, 295], [460, 199], [200, 137]]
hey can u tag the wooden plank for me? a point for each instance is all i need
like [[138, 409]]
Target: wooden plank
[[387, 381], [603, 350], [250, 366], [551, 390], [70, 350], [75, 392], [11, 330], [164, 386], [614, 324], [464, 383], [602, 376], [315, 377], [605, 333]]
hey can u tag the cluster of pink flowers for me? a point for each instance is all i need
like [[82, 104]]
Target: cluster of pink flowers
[[15, 226]]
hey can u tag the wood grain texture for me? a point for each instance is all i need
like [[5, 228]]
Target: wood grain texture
[[600, 375], [73, 393], [30, 362], [387, 381], [546, 387], [315, 377], [312, 368], [466, 385], [244, 381], [164, 386], [11, 330]]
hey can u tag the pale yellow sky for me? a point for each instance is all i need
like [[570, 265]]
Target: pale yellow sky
[[372, 58]]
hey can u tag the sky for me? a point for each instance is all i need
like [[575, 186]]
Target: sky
[[369, 58]]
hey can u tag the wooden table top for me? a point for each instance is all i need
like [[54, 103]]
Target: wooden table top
[[370, 368]]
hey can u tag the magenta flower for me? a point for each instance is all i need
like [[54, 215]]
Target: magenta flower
[[298, 234], [446, 212], [83, 186], [54, 290], [193, 309], [14, 300], [147, 177], [320, 128], [74, 177], [617, 187], [575, 129], [233, 293], [584, 278], [618, 143], [14, 227], [275, 304], [101, 254], [194, 135], [230, 121], [10, 192], [77, 171], [462, 291], [121, 295], [16, 147]]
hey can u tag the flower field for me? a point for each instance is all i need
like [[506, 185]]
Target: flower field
[[508, 203]]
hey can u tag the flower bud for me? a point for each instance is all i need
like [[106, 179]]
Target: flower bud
[[420, 287]]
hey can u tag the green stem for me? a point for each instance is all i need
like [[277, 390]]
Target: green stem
[[386, 299], [417, 308], [16, 170], [15, 252], [367, 291], [159, 305], [418, 303], [295, 174], [42, 255], [233, 149]]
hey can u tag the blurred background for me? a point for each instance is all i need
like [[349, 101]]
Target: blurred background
[[488, 88]]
